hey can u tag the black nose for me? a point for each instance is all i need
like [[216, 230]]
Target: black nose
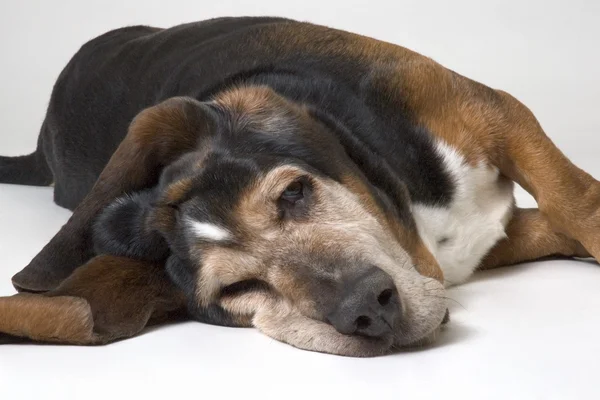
[[370, 306]]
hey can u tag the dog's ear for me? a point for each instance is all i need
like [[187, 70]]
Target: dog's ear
[[124, 229], [107, 299], [157, 137]]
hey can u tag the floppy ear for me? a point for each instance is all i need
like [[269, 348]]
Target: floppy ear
[[106, 299], [157, 137], [124, 229]]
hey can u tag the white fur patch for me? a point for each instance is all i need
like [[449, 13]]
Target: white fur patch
[[208, 231], [461, 234]]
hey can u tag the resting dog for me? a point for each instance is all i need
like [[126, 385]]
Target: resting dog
[[318, 185]]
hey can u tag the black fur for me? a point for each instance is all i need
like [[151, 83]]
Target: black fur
[[31, 169], [116, 75], [184, 275], [123, 229]]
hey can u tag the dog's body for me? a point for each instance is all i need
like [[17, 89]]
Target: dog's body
[[117, 75], [416, 158]]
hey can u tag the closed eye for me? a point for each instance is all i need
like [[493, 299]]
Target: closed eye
[[294, 200], [245, 286], [293, 193]]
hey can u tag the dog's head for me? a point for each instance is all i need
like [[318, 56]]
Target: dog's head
[[270, 223]]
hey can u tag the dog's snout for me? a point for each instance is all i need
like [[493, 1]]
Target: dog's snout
[[369, 306]]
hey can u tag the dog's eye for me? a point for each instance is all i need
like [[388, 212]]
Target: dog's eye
[[293, 193], [294, 201], [246, 286], [174, 206]]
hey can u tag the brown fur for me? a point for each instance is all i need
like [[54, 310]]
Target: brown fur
[[59, 319], [492, 127], [124, 294], [177, 190], [258, 108], [530, 236], [273, 250], [155, 138], [109, 298], [486, 125]]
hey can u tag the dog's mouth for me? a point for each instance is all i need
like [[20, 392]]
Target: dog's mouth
[[446, 317], [431, 338], [424, 312]]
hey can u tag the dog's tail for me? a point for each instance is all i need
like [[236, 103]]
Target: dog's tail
[[31, 169]]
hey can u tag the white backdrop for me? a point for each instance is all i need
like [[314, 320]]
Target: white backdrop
[[528, 332]]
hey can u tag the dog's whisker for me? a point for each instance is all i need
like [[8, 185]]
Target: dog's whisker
[[447, 298]]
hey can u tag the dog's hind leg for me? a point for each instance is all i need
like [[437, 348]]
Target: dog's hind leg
[[491, 127], [31, 169], [566, 195], [530, 236]]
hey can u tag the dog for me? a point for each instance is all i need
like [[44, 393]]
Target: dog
[[321, 186]]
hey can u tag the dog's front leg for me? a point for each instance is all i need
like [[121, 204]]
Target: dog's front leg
[[156, 137]]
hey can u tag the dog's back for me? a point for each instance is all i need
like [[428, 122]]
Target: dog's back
[[106, 83], [115, 76]]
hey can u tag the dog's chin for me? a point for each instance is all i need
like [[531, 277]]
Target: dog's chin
[[426, 341], [391, 345], [313, 335]]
